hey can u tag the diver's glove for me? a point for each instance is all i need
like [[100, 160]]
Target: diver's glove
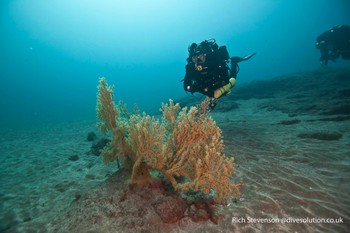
[[212, 102]]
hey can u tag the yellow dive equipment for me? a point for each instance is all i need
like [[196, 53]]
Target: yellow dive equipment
[[199, 67], [222, 90]]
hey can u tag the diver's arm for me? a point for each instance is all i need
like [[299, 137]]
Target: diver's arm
[[324, 56]]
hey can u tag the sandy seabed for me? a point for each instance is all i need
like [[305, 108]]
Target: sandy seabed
[[286, 176]]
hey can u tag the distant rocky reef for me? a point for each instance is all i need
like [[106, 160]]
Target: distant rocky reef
[[324, 92]]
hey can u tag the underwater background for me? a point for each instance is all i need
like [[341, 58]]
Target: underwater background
[[52, 52]]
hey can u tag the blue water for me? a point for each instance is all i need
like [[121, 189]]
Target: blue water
[[52, 52]]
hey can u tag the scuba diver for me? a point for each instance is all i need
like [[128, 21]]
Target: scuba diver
[[334, 43], [207, 70]]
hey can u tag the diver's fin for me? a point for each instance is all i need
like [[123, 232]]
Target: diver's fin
[[247, 57], [240, 59]]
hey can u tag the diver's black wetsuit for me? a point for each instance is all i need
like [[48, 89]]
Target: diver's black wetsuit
[[334, 43], [206, 68]]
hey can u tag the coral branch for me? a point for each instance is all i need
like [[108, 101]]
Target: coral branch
[[184, 143]]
